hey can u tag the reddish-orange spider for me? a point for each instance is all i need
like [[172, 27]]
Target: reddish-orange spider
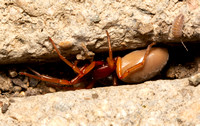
[[136, 66]]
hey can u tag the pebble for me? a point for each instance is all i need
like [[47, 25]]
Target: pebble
[[19, 82], [195, 79], [22, 94], [17, 89], [12, 73], [5, 108], [32, 91], [65, 45], [52, 90], [33, 82]]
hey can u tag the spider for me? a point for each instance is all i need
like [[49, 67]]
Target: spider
[[137, 66]]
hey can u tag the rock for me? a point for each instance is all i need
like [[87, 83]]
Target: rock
[[181, 71], [19, 82], [162, 102], [195, 79], [17, 89], [25, 26], [4, 108], [33, 82], [32, 91], [5, 82], [52, 90], [12, 73]]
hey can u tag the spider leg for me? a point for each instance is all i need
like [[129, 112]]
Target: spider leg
[[74, 67], [135, 67], [84, 70]]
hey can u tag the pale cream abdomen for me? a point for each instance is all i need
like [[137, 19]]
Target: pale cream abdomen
[[155, 61]]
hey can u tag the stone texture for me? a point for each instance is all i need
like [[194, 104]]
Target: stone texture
[[162, 102], [5, 82], [26, 24]]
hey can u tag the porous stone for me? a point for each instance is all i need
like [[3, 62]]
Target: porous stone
[[12, 73], [5, 82], [162, 102], [26, 24]]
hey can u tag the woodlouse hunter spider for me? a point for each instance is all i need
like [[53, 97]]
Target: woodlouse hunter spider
[[134, 67]]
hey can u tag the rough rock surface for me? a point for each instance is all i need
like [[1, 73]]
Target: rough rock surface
[[162, 102], [26, 24], [24, 29]]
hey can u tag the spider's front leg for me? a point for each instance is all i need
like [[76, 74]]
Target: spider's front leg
[[84, 70], [81, 72]]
